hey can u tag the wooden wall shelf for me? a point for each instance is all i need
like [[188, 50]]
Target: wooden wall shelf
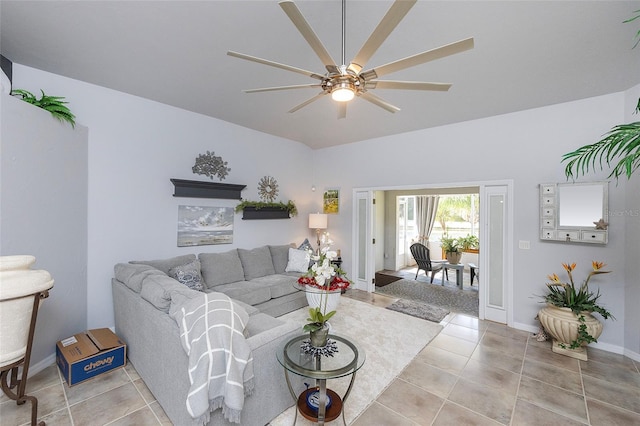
[[251, 213], [199, 189]]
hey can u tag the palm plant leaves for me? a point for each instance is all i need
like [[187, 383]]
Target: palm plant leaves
[[637, 12], [54, 104], [621, 144]]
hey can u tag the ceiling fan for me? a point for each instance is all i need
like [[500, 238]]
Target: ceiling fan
[[346, 81]]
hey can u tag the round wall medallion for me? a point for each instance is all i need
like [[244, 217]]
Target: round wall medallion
[[268, 189]]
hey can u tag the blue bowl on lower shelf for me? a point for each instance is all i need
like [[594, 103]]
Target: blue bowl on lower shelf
[[313, 400]]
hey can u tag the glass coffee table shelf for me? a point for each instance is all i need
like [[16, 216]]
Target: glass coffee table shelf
[[348, 359]]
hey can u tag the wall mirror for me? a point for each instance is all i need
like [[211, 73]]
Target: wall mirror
[[568, 212]]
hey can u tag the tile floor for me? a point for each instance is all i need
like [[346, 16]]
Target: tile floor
[[473, 373], [482, 373]]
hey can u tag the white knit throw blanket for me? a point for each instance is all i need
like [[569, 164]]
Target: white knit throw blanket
[[220, 359]]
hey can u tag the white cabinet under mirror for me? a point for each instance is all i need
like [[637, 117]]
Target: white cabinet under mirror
[[569, 212]]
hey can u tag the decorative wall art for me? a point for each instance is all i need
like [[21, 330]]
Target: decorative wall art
[[200, 226], [331, 201], [211, 165], [268, 189]]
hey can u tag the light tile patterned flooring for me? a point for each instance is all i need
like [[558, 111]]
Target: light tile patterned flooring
[[473, 373]]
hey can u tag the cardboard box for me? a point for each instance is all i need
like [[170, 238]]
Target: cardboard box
[[89, 354]]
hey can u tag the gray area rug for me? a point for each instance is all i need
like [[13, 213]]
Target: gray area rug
[[461, 301], [419, 309]]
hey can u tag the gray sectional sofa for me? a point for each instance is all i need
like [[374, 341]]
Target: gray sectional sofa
[[255, 279]]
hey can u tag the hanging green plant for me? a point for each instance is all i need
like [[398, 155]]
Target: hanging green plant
[[54, 104]]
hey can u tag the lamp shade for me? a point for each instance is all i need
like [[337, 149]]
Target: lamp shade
[[318, 221]]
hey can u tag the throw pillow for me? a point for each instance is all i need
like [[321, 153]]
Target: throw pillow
[[298, 261], [306, 245], [188, 274]]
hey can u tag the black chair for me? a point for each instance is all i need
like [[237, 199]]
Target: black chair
[[421, 254]]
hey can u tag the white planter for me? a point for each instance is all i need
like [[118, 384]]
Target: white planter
[[315, 298], [562, 324], [453, 257]]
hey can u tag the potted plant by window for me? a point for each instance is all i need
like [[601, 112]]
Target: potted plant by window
[[568, 316], [469, 243], [451, 248]]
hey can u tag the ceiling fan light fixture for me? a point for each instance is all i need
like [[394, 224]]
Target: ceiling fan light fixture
[[343, 92]]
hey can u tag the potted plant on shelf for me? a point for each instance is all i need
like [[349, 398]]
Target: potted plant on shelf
[[324, 282], [451, 248], [267, 210], [567, 317], [54, 104], [469, 243]]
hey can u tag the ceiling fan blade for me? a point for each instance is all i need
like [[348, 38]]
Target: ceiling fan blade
[[307, 102], [307, 32], [391, 19], [275, 64], [342, 110], [378, 101], [420, 58], [272, 89], [407, 85]]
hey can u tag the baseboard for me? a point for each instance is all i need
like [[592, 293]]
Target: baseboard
[[633, 355], [36, 368], [602, 346], [525, 327]]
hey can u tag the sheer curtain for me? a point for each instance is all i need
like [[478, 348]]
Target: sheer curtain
[[426, 208]]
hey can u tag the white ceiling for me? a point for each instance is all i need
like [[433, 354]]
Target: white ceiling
[[527, 54]]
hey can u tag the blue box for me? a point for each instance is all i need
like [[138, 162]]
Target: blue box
[[89, 354]]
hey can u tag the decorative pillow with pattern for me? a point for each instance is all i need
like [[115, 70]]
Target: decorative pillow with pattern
[[298, 261], [306, 245], [188, 274]]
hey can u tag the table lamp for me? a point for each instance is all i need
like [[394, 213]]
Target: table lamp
[[318, 221]]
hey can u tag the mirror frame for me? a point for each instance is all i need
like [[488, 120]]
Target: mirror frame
[[550, 229]]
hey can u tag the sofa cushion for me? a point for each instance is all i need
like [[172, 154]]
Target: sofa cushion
[[188, 274], [298, 261], [165, 264], [280, 257], [158, 289], [221, 268], [261, 323], [251, 310], [133, 275], [256, 263], [246, 291], [279, 285]]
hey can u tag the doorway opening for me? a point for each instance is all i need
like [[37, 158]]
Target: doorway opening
[[393, 216]]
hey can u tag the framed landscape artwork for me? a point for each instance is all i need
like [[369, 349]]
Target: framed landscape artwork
[[331, 201], [199, 226]]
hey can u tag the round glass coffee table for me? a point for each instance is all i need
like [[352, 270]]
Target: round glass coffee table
[[345, 361]]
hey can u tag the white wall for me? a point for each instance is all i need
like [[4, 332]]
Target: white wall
[[43, 212], [524, 146], [631, 214], [135, 147]]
